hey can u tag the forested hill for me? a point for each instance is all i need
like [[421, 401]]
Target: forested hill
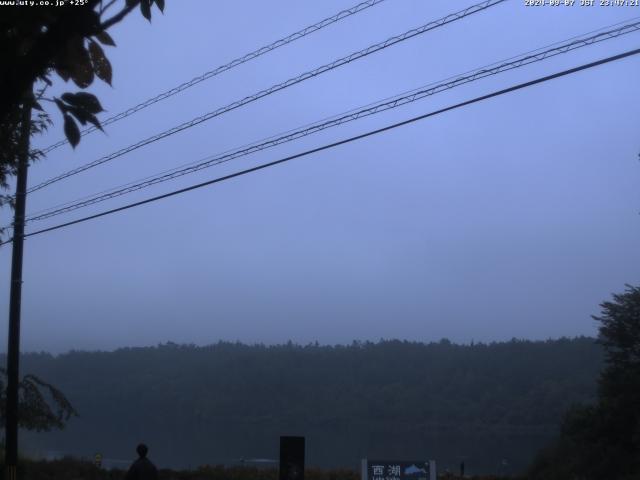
[[491, 405]]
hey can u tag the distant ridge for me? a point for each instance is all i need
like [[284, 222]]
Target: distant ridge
[[486, 402]]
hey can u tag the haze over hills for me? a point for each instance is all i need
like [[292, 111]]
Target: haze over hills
[[491, 405]]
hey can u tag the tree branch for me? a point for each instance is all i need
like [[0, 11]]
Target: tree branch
[[107, 6], [118, 17]]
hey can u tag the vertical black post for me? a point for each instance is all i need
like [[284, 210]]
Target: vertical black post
[[13, 351], [291, 458]]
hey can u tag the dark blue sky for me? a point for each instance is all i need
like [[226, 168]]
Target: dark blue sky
[[514, 217]]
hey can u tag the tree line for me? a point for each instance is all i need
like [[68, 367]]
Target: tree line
[[491, 405]]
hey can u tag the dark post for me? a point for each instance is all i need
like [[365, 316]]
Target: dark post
[[291, 458], [13, 351]]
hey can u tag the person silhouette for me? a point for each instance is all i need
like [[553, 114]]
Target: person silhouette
[[142, 468]]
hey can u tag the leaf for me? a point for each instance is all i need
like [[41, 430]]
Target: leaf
[[101, 64], [79, 62], [96, 123], [91, 19], [68, 97], [36, 105], [80, 114], [160, 4], [63, 73], [71, 131], [90, 102], [132, 3], [105, 39], [145, 8], [84, 100], [63, 108], [83, 117]]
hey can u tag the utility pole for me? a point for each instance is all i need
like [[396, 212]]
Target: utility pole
[[13, 351]]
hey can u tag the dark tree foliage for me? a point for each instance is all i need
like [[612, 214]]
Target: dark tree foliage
[[40, 41], [194, 405], [603, 440], [35, 397]]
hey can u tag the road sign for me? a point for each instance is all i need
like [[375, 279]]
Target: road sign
[[398, 470], [97, 460]]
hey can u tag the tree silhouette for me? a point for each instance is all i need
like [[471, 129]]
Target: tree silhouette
[[603, 440], [39, 42], [43, 41], [42, 406]]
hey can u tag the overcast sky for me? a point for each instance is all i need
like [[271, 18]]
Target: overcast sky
[[513, 217]]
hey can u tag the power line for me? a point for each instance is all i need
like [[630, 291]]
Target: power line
[[228, 66], [384, 105], [539, 50], [341, 142], [280, 86]]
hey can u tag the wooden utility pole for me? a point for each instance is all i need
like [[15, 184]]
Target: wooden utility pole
[[13, 351]]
